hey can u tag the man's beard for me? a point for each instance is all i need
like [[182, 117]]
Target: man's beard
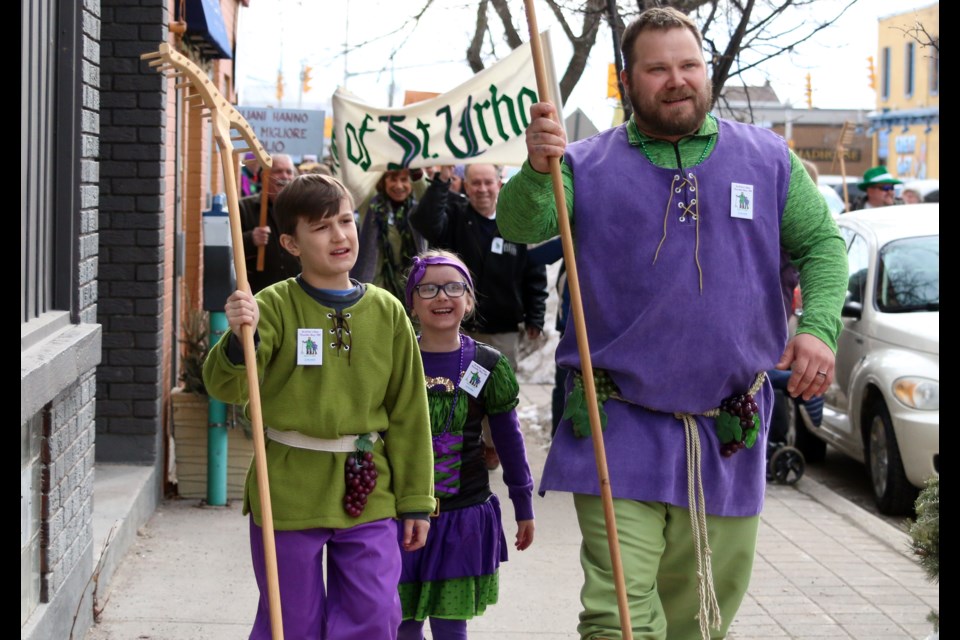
[[650, 116]]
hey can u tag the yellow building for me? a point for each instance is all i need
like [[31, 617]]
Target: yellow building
[[907, 81]]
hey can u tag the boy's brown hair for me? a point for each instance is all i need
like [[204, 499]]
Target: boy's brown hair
[[312, 196]]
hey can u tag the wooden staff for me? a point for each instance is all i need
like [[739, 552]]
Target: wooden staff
[[224, 118], [264, 204], [586, 366]]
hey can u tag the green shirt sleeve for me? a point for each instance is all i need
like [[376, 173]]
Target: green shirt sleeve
[[810, 235], [526, 209], [502, 392]]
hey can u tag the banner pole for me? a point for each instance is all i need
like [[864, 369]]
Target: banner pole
[[586, 365]]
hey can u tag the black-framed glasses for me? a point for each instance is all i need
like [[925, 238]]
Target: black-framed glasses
[[886, 187], [451, 289]]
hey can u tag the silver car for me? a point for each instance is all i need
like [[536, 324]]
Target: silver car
[[883, 408]]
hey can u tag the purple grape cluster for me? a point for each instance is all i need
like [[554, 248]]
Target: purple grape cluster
[[744, 408], [361, 478]]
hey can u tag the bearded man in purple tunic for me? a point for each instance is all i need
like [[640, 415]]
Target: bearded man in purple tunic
[[681, 324]]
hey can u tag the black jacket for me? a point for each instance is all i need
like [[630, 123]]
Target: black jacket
[[278, 264], [510, 290]]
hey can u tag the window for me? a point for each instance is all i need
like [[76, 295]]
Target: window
[[49, 162], [935, 66], [908, 74], [858, 259], [885, 94], [908, 277]]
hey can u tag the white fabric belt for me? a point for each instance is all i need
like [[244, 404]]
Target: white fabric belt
[[298, 440]]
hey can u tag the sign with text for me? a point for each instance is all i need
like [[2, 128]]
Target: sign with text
[[826, 154], [292, 131], [481, 121]]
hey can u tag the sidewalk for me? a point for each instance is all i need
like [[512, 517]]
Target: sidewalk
[[824, 568]]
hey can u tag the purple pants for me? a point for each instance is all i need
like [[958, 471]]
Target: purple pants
[[360, 600]]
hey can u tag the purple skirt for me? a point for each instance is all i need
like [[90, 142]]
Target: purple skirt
[[461, 543]]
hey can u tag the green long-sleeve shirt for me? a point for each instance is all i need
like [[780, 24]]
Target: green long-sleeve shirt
[[526, 212], [375, 384]]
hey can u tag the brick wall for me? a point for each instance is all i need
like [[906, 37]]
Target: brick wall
[[130, 381], [67, 483], [58, 366]]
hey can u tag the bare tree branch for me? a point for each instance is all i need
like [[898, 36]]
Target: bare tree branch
[[721, 66], [924, 38], [473, 51], [738, 35], [582, 45], [503, 10]]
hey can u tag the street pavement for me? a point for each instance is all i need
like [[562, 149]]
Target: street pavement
[[824, 569]]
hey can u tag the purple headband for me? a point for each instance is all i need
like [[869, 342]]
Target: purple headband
[[420, 268]]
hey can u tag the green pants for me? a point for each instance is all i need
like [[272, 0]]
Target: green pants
[[660, 570]]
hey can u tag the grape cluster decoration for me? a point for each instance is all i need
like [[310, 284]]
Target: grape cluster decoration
[[360, 473], [738, 424], [576, 409]]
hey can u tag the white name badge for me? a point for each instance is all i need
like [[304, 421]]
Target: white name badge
[[309, 347], [472, 381], [496, 246], [741, 201]]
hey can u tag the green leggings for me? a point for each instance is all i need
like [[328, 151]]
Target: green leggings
[[660, 571]]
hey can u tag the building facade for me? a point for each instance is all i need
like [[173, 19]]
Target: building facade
[[813, 134], [906, 122], [115, 171]]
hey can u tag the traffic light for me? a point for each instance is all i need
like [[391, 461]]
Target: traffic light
[[809, 93], [305, 78], [871, 73], [613, 82], [279, 86]]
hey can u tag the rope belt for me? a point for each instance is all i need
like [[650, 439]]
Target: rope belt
[[709, 615], [344, 444]]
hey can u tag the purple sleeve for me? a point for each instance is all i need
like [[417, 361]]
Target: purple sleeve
[[507, 438]]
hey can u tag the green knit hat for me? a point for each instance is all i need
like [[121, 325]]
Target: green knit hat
[[876, 176]]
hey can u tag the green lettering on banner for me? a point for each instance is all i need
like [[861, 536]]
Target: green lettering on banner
[[362, 157], [496, 103], [531, 95], [407, 140], [335, 152], [424, 128], [466, 131], [479, 107]]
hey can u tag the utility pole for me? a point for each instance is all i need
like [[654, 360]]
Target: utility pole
[[346, 41]]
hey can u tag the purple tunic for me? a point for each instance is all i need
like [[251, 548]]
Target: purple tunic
[[668, 344]]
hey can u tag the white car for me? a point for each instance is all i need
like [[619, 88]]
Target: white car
[[834, 202], [883, 408]]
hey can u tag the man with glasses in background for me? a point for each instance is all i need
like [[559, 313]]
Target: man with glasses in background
[[278, 264], [879, 187]]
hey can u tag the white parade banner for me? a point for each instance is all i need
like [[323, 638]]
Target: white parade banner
[[481, 121]]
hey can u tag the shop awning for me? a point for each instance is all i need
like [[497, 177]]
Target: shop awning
[[206, 29], [927, 116]]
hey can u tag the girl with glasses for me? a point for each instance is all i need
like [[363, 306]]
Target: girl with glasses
[[456, 575]]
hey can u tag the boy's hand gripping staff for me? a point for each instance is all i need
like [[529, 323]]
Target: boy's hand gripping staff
[[200, 93], [576, 307]]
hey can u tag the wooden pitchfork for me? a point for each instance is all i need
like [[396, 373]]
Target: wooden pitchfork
[[586, 364], [201, 93]]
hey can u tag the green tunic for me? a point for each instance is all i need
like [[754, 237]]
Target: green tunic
[[374, 386]]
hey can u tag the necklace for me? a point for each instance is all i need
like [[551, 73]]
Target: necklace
[[456, 391], [703, 154], [450, 386]]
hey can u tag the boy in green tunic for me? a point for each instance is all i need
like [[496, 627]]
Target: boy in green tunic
[[348, 443]]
